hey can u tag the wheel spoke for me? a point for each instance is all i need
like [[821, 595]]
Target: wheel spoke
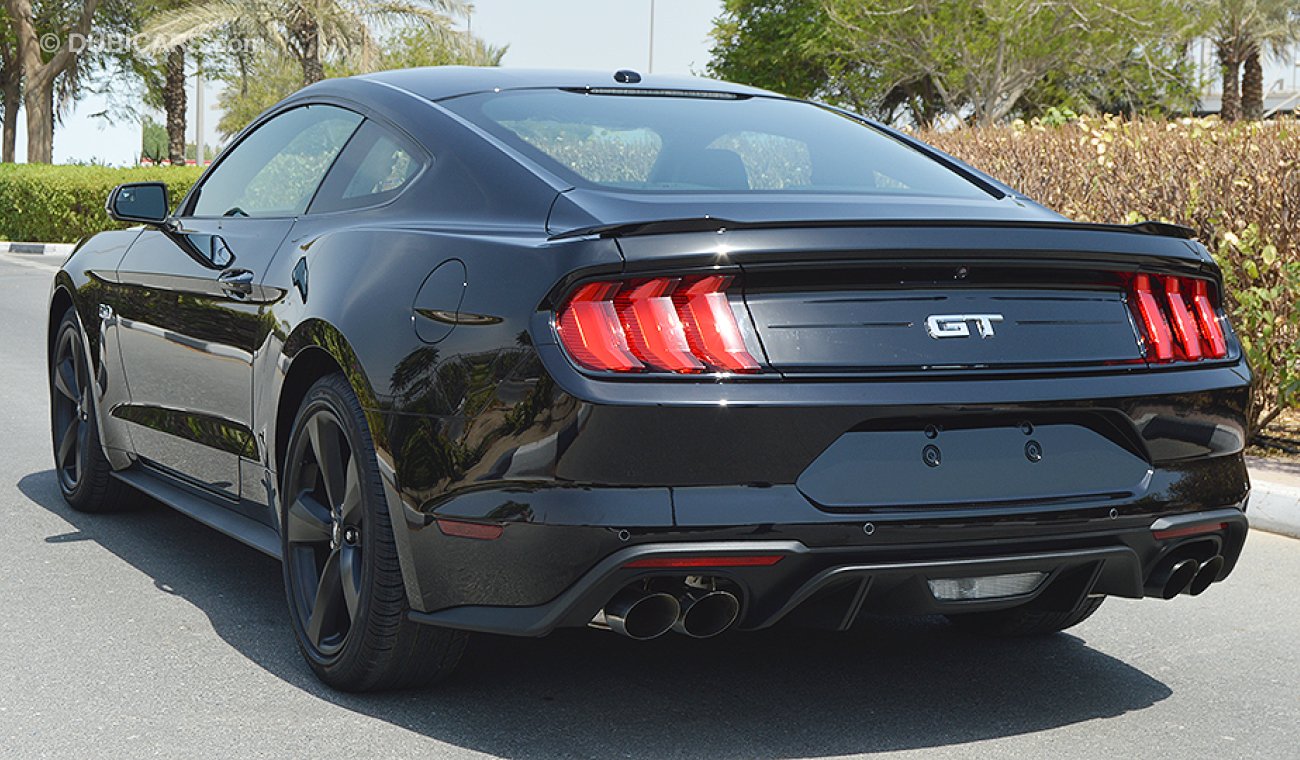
[[68, 441], [327, 606], [351, 506], [308, 520], [78, 362], [326, 442], [82, 430], [65, 380], [350, 576]]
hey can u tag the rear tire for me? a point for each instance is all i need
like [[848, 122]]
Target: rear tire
[[1022, 621], [85, 477], [347, 601]]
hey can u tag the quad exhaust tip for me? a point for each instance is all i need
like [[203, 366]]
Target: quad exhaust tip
[[640, 615], [706, 613], [1209, 573], [1170, 580], [1185, 576]]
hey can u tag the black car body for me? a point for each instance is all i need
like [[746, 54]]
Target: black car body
[[960, 404]]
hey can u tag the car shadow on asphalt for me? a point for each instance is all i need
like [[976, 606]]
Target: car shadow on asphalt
[[889, 684]]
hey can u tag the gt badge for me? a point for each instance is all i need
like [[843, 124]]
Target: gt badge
[[958, 325]]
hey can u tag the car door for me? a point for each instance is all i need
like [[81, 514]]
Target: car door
[[191, 301]]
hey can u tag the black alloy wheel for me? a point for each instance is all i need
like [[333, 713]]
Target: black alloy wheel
[[84, 474], [70, 413], [323, 529], [346, 596]]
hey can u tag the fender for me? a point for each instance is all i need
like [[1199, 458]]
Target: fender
[[86, 281]]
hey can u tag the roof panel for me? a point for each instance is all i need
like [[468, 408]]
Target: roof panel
[[438, 82]]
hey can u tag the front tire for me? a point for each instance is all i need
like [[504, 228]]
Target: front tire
[[84, 474], [347, 600]]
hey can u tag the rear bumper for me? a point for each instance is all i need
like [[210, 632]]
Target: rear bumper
[[830, 586], [593, 473]]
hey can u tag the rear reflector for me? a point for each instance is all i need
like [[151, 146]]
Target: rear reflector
[[1177, 317], [757, 560], [461, 529], [1189, 530], [682, 325]]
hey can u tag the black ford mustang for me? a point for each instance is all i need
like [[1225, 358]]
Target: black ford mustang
[[505, 351]]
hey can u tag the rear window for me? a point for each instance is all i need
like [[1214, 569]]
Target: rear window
[[708, 142]]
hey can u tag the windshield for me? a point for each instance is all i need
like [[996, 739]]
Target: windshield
[[706, 142]]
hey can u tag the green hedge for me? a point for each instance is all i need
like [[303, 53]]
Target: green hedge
[[62, 204]]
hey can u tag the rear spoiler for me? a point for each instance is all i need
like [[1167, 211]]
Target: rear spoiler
[[714, 224]]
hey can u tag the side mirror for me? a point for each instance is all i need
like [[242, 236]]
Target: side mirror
[[141, 202]]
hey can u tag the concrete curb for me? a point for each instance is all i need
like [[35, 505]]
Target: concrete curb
[[37, 249], [1274, 507]]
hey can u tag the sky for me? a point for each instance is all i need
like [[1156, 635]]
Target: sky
[[587, 34]]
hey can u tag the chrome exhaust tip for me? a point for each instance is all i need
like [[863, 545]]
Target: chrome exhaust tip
[[641, 615], [706, 613]]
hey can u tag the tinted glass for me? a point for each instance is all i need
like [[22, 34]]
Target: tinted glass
[[141, 201], [676, 143], [373, 169], [276, 169]]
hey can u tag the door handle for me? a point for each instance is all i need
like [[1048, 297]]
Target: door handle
[[239, 281]]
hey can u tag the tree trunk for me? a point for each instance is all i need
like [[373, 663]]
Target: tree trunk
[[12, 98], [38, 101], [1252, 87], [305, 35], [11, 93], [312, 71], [173, 96], [1230, 110], [40, 74]]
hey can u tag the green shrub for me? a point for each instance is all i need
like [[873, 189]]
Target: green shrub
[[1237, 185], [62, 204]]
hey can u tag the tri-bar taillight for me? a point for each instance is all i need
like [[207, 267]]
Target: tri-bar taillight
[[1178, 318], [681, 325]]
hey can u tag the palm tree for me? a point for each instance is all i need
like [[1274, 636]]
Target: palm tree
[[1243, 30], [308, 31], [1276, 29]]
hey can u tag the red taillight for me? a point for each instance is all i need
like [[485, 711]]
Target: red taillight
[[654, 331], [590, 330], [711, 328], [1160, 341], [1216, 347], [1174, 328], [1189, 335], [756, 560], [663, 324]]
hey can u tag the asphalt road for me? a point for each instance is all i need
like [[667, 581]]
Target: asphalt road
[[145, 634]]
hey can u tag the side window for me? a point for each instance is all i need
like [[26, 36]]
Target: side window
[[276, 169], [374, 168]]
